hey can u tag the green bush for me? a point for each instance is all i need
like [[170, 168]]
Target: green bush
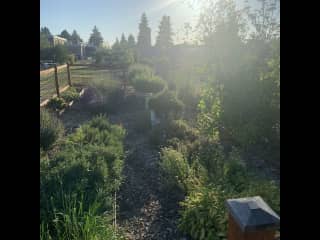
[[209, 177], [74, 222], [57, 103], [166, 104], [60, 54], [176, 171], [138, 70], [86, 171], [144, 80], [203, 214], [70, 95], [147, 84], [181, 130], [51, 129]]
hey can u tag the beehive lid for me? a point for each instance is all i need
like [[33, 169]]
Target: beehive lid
[[253, 214]]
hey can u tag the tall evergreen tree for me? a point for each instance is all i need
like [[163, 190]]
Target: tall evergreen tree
[[144, 37], [44, 35], [45, 31], [116, 44], [44, 42], [131, 41], [95, 38], [75, 38], [65, 34], [164, 38], [123, 41]]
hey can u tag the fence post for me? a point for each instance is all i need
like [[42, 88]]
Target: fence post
[[69, 75], [56, 79], [251, 219]]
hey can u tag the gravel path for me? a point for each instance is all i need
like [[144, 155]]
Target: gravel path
[[145, 210]]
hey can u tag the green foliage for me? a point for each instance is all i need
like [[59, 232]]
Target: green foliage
[[60, 53], [144, 36], [71, 94], [57, 103], [146, 84], [51, 129], [143, 79], [181, 130], [44, 42], [109, 94], [74, 222], [75, 38], [176, 171], [131, 41], [209, 177], [138, 70], [102, 54], [86, 171], [164, 38], [65, 34], [96, 38], [119, 57], [167, 105], [203, 214]]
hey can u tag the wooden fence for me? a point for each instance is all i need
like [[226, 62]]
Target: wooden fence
[[54, 80]]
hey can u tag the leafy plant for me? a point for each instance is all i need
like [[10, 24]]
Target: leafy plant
[[166, 105], [203, 214], [176, 171], [86, 171], [57, 103], [181, 130], [144, 80], [51, 129], [70, 95]]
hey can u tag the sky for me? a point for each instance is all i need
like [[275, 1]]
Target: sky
[[114, 17]]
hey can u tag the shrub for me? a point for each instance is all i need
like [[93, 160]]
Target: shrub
[[166, 104], [57, 103], [203, 214], [60, 53], [87, 170], [138, 70], [51, 129], [114, 100], [144, 80], [74, 222], [70, 95], [176, 171], [147, 84], [181, 130]]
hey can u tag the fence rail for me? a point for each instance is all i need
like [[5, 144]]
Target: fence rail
[[53, 81]]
